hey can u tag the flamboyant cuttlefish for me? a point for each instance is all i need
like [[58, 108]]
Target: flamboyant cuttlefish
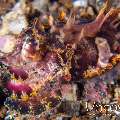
[[33, 74]]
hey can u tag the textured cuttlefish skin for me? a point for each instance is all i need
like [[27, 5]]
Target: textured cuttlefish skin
[[88, 50], [32, 88]]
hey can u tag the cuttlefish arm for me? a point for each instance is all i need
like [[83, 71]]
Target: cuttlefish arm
[[92, 28]]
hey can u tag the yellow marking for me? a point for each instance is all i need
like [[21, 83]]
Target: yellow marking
[[14, 96], [62, 15], [34, 93], [24, 97], [98, 71]]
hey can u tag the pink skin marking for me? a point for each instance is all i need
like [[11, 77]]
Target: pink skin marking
[[18, 88], [18, 72]]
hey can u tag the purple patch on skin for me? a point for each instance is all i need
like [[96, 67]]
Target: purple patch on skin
[[18, 72], [18, 88]]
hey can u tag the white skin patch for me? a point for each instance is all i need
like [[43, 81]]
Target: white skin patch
[[7, 43], [104, 51]]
